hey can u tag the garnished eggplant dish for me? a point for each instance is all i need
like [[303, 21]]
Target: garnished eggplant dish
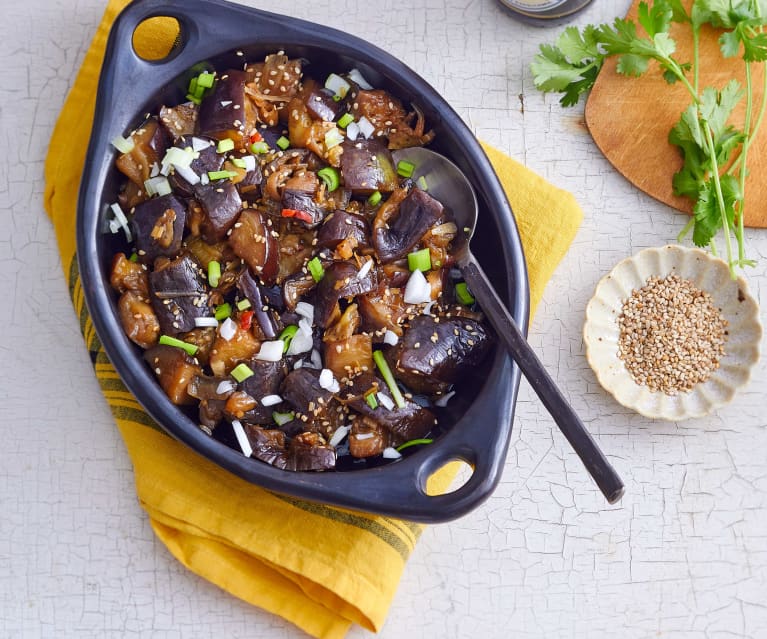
[[292, 287]]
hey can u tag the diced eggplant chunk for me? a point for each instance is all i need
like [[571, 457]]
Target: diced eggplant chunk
[[203, 339], [295, 287], [349, 357], [226, 354], [252, 240], [227, 112], [339, 227], [179, 120], [434, 352], [158, 226], [222, 204], [410, 422], [319, 101], [367, 166], [206, 387], [179, 294], [251, 290], [340, 281], [129, 276], [266, 380], [395, 238], [386, 114], [301, 389], [382, 310], [295, 251], [311, 212], [211, 413], [207, 160], [368, 438], [308, 451], [149, 145], [138, 319], [250, 184], [267, 445], [174, 370]]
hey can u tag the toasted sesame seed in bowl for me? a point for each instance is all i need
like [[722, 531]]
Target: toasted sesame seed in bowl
[[670, 334]]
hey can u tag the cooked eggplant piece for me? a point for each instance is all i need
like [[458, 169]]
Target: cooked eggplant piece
[[396, 233], [207, 160], [311, 212], [251, 290], [367, 166], [295, 287], [178, 294], [308, 451], [138, 319], [339, 227], [149, 145], [267, 445], [341, 280], [158, 226], [435, 351], [368, 438], [319, 101], [301, 389], [252, 240], [206, 387], [266, 380], [203, 339], [382, 310], [174, 370], [222, 204], [271, 84], [226, 354], [211, 413], [349, 357], [226, 111], [179, 120], [386, 114], [296, 247], [129, 276]]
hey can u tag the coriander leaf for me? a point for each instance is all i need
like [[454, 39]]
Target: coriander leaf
[[664, 44], [729, 43], [656, 18], [707, 218], [578, 47], [574, 90], [726, 143], [551, 70], [716, 106], [687, 129], [678, 12], [632, 65], [686, 183], [754, 48]]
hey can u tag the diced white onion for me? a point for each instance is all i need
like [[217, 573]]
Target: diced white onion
[[226, 386], [228, 329], [352, 131], [305, 310], [155, 170], [205, 322], [444, 399], [123, 145], [427, 308], [305, 326], [366, 127], [302, 342], [225, 103], [204, 179], [448, 228], [337, 85], [316, 359], [298, 364], [418, 289], [363, 436], [178, 157], [198, 144], [250, 162], [157, 186], [333, 138], [328, 381], [242, 438], [271, 351], [391, 453], [122, 221], [282, 418], [188, 174], [365, 269], [385, 401], [271, 400], [338, 436], [391, 338], [357, 77]]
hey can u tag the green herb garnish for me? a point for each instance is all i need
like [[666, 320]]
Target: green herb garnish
[[315, 268], [378, 358], [241, 372], [167, 340]]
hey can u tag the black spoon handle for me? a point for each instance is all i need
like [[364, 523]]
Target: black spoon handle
[[521, 352]]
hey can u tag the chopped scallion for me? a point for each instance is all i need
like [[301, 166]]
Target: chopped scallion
[[133, 257], [193, 86], [167, 340], [287, 335], [405, 168], [372, 401], [205, 80], [193, 98], [243, 304], [375, 198], [378, 358], [239, 163], [283, 418], [413, 442], [225, 145], [214, 273], [421, 182], [463, 294], [330, 177], [315, 268], [241, 372], [345, 120], [283, 142], [221, 175], [259, 147], [223, 311], [419, 260]]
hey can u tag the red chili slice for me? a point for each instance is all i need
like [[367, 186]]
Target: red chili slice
[[246, 319]]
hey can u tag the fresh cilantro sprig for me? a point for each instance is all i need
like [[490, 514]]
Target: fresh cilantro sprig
[[715, 152]]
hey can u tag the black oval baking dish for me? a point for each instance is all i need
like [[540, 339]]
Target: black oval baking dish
[[212, 31]]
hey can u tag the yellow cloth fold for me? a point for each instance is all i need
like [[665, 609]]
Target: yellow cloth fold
[[306, 562]]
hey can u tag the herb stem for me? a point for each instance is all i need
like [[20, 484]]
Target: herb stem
[[686, 229], [695, 58], [719, 194]]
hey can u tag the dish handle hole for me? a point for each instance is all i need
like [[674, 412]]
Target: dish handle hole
[[155, 38], [449, 477]]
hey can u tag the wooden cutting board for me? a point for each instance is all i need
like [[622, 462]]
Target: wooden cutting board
[[630, 119]]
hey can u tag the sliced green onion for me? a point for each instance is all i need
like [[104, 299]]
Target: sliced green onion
[[243, 304], [372, 401], [336, 98], [205, 80], [193, 98], [421, 182], [405, 168], [191, 349], [223, 311], [283, 418], [463, 294], [241, 372], [375, 198], [283, 142], [240, 163], [315, 268], [345, 120], [192, 86], [214, 273], [287, 335], [330, 176], [221, 175], [413, 442], [378, 358], [259, 147], [419, 260], [225, 145], [133, 257]]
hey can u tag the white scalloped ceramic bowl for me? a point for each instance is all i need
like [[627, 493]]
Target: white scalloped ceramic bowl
[[709, 274]]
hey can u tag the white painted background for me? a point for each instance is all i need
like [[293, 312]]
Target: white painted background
[[685, 553]]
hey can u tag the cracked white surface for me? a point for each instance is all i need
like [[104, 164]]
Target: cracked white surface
[[685, 553]]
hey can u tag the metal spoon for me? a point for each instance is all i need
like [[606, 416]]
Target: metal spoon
[[448, 184]]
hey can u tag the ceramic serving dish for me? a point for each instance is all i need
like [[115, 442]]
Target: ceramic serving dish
[[709, 274], [212, 31]]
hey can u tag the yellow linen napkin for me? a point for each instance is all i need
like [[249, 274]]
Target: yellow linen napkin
[[306, 562]]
